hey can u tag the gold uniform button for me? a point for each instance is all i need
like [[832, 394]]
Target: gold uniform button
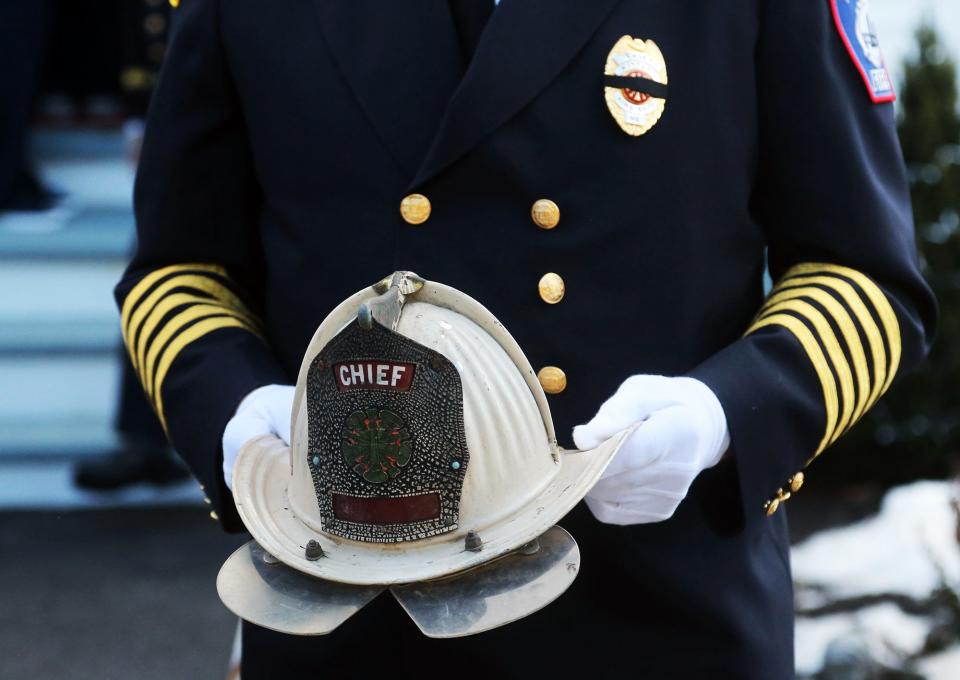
[[132, 79], [552, 379], [213, 515], [771, 506], [415, 209], [551, 288], [545, 213], [796, 482]]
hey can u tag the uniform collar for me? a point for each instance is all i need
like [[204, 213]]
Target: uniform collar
[[524, 47], [403, 63]]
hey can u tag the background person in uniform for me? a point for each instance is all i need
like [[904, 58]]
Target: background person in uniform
[[23, 39], [96, 50], [143, 454], [607, 178]]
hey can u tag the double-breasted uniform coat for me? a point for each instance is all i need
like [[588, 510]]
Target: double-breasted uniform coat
[[299, 150]]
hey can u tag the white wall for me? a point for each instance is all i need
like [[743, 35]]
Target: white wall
[[896, 20]]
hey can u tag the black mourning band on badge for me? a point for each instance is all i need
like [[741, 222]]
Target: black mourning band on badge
[[637, 84]]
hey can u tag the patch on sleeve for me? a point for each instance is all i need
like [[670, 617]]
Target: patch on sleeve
[[852, 18]]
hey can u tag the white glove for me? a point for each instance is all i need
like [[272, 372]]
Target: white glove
[[266, 410], [684, 432]]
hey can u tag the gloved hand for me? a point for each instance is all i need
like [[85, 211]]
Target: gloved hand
[[683, 432], [266, 410]]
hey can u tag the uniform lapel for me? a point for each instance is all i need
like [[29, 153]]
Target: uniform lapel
[[402, 61], [526, 45]]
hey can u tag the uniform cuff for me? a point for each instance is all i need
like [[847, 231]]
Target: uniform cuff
[[774, 410]]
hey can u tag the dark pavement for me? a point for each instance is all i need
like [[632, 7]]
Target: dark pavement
[[113, 594]]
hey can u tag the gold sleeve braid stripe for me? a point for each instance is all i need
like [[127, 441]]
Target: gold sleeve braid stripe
[[191, 334], [835, 354], [851, 384], [812, 348], [161, 346], [162, 300], [170, 308]]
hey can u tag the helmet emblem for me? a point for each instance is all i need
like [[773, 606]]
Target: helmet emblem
[[376, 444]]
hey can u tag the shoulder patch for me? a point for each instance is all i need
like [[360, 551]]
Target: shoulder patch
[[852, 18]]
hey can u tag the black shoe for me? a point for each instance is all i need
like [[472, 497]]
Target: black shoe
[[130, 465], [28, 195]]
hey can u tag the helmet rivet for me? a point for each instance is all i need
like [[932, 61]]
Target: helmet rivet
[[473, 543], [436, 363], [455, 465], [313, 550]]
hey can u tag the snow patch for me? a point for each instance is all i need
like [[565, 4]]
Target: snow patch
[[887, 632], [901, 550]]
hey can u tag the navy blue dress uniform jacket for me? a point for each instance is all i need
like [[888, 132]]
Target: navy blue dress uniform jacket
[[283, 137]]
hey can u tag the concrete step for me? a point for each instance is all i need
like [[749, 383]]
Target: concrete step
[[58, 291], [68, 232], [52, 438], [59, 358], [57, 405], [48, 484], [59, 336]]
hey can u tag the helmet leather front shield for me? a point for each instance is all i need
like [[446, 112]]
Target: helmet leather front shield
[[387, 451]]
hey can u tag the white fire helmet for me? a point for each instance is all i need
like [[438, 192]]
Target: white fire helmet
[[422, 450]]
